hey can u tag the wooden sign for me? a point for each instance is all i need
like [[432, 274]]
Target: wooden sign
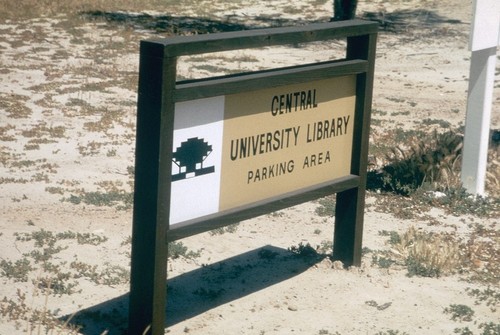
[[221, 150], [256, 145]]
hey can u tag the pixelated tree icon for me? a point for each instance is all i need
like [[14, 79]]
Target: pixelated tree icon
[[189, 157]]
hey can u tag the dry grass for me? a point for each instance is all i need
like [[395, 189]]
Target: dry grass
[[492, 184], [428, 255], [431, 159], [423, 254]]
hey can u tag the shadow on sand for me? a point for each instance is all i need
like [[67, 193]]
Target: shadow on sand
[[198, 291], [188, 25], [408, 19], [395, 21]]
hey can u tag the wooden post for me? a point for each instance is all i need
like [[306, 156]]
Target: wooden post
[[344, 9], [349, 211], [484, 39], [150, 223]]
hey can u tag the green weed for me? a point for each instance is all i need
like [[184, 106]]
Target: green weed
[[304, 251], [110, 275], [460, 312], [232, 228], [391, 332], [121, 199], [327, 332], [490, 328], [178, 249], [463, 331], [382, 261], [18, 271], [209, 294], [326, 206], [489, 296]]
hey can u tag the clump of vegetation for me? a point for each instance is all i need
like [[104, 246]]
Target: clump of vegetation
[[392, 332], [433, 160], [481, 255], [460, 312], [327, 332], [232, 228], [110, 275], [209, 294], [115, 198], [489, 296], [423, 254], [32, 319], [463, 331], [18, 270], [458, 202], [178, 249], [326, 206], [304, 251], [45, 238], [50, 276], [415, 161], [490, 328], [424, 172]]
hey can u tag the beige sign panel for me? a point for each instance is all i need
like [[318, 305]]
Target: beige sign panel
[[284, 139]]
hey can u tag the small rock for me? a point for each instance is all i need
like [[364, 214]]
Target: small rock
[[338, 265]]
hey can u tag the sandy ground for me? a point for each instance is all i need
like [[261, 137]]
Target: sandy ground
[[67, 134]]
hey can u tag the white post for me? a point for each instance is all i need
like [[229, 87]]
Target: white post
[[483, 44]]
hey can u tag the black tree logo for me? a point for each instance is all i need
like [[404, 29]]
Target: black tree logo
[[189, 158]]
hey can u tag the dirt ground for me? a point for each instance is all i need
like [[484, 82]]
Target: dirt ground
[[68, 92]]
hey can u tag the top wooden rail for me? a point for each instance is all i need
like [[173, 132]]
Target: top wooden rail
[[199, 44]]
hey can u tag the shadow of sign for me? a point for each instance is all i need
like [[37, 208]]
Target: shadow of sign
[[179, 25], [198, 291], [403, 20]]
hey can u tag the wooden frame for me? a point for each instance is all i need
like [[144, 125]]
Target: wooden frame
[[158, 93]]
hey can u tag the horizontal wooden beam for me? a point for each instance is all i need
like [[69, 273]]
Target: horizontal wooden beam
[[265, 206], [204, 88], [198, 44]]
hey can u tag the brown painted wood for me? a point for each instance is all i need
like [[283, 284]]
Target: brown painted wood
[[150, 218], [349, 213], [264, 79], [198, 44], [263, 207]]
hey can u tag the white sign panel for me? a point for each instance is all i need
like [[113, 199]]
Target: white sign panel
[[197, 152], [485, 31]]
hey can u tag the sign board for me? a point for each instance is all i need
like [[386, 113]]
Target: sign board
[[485, 30], [217, 151], [254, 145]]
